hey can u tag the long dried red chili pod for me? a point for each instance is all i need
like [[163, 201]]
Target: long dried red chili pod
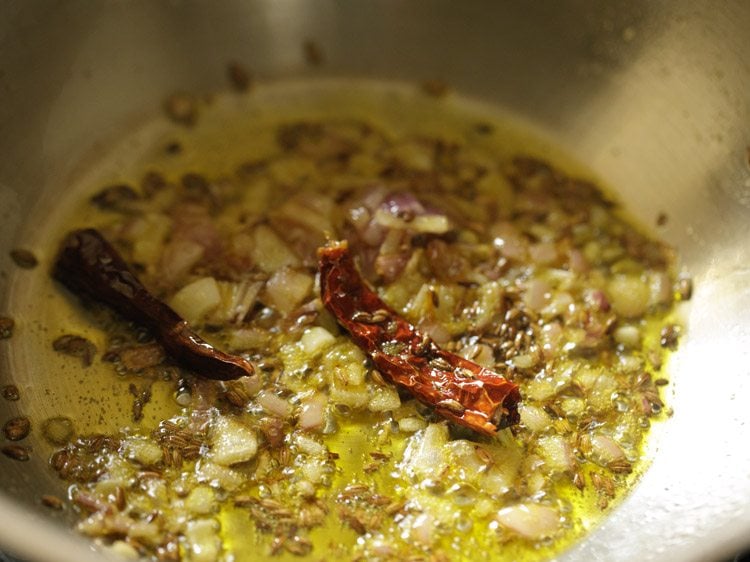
[[88, 264], [459, 389]]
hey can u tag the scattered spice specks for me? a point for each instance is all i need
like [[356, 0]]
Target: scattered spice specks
[[11, 393], [53, 502], [239, 77], [17, 428], [76, 346], [435, 88], [181, 108], [313, 53], [6, 327], [24, 258], [16, 452]]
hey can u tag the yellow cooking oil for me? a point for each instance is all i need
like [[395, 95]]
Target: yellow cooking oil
[[231, 129]]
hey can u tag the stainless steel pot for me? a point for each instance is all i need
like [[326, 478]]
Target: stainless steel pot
[[653, 96]]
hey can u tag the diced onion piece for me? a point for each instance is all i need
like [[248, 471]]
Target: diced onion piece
[[462, 454], [605, 449], [123, 550], [309, 445], [202, 540], [510, 241], [270, 252], [600, 397], [312, 415], [201, 501], [534, 417], [248, 338], [315, 340], [150, 238], [178, 258], [543, 253], [354, 396], [627, 335], [537, 295], [287, 288], [216, 475], [194, 301], [314, 469], [530, 520], [425, 455], [274, 404], [629, 295], [556, 452], [431, 224], [232, 442], [423, 529], [384, 399], [411, 424], [143, 450]]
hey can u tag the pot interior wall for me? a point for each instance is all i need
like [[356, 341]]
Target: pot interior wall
[[651, 96]]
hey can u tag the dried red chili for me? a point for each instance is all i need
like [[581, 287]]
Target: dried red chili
[[459, 390], [88, 264]]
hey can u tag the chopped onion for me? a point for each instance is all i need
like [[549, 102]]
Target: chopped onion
[[384, 399], [543, 253], [194, 301], [270, 252], [312, 414], [274, 405], [556, 452], [605, 449], [315, 340], [177, 260], [537, 295], [286, 289], [232, 442], [534, 417], [629, 295], [530, 520]]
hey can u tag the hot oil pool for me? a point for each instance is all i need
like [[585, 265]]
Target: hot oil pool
[[486, 238]]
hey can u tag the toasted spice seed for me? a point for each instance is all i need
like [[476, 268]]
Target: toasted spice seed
[[669, 336], [435, 88], [453, 406], [11, 393], [313, 53], [6, 327], [351, 519], [578, 480], [152, 183], [379, 316], [239, 77], [361, 316], [440, 363], [115, 197], [173, 148], [16, 452], [377, 378], [53, 502], [662, 219], [661, 382], [75, 346], [684, 288], [484, 128], [24, 258], [181, 108], [463, 372], [17, 428]]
